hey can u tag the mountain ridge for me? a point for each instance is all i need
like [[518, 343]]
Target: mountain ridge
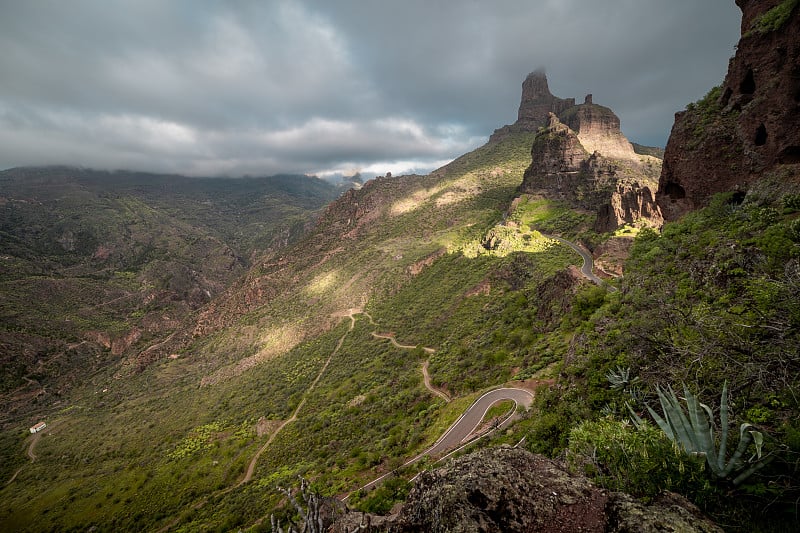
[[97, 263]]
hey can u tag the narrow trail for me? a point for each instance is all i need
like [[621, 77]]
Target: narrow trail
[[29, 452], [252, 467], [351, 314], [426, 378], [32, 445], [390, 338]]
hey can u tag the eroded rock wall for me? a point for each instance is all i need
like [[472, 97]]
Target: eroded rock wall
[[747, 129], [619, 190]]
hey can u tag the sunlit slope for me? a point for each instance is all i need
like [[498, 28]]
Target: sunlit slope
[[95, 267], [141, 450]]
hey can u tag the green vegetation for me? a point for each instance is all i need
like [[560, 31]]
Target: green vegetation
[[774, 19], [450, 262], [499, 410], [95, 260], [638, 460], [694, 433], [382, 499], [140, 450], [713, 298], [550, 216], [705, 114]]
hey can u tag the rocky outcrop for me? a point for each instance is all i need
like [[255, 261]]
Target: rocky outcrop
[[750, 126], [598, 130], [555, 155], [619, 190], [537, 102], [631, 203], [581, 156], [511, 490]]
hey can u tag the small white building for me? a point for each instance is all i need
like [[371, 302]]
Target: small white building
[[38, 427]]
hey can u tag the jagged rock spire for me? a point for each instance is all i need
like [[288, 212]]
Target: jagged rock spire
[[537, 101]]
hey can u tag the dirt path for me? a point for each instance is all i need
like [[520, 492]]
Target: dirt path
[[32, 445], [390, 338], [29, 452], [251, 468], [351, 313], [427, 379], [253, 462]]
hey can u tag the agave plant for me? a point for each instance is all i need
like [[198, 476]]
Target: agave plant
[[620, 377], [693, 431]]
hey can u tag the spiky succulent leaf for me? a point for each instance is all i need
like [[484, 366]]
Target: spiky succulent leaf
[[663, 424], [635, 418], [702, 437], [723, 424], [758, 440], [681, 425], [694, 432]]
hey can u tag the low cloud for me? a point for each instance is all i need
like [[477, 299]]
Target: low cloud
[[208, 88]]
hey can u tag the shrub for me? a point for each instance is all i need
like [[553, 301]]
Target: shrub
[[791, 203], [642, 462], [382, 499], [775, 18]]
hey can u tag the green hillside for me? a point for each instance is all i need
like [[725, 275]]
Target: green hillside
[[96, 266], [281, 369], [413, 262]]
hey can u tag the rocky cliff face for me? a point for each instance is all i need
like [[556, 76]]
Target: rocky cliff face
[[511, 490], [619, 190], [748, 128], [581, 156], [556, 153], [598, 130], [537, 102]]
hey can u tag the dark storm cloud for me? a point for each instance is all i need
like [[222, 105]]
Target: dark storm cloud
[[204, 87]]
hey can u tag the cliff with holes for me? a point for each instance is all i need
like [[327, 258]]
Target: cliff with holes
[[747, 129]]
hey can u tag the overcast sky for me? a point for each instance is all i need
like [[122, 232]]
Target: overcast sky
[[322, 86]]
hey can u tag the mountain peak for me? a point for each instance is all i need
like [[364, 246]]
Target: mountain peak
[[538, 102]]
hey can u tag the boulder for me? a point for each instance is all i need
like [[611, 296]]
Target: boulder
[[507, 489]]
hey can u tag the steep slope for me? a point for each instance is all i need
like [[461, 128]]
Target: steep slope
[[710, 303], [748, 129], [289, 345], [96, 265], [289, 372]]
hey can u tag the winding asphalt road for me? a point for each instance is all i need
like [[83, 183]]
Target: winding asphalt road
[[587, 269], [463, 428], [462, 431]]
